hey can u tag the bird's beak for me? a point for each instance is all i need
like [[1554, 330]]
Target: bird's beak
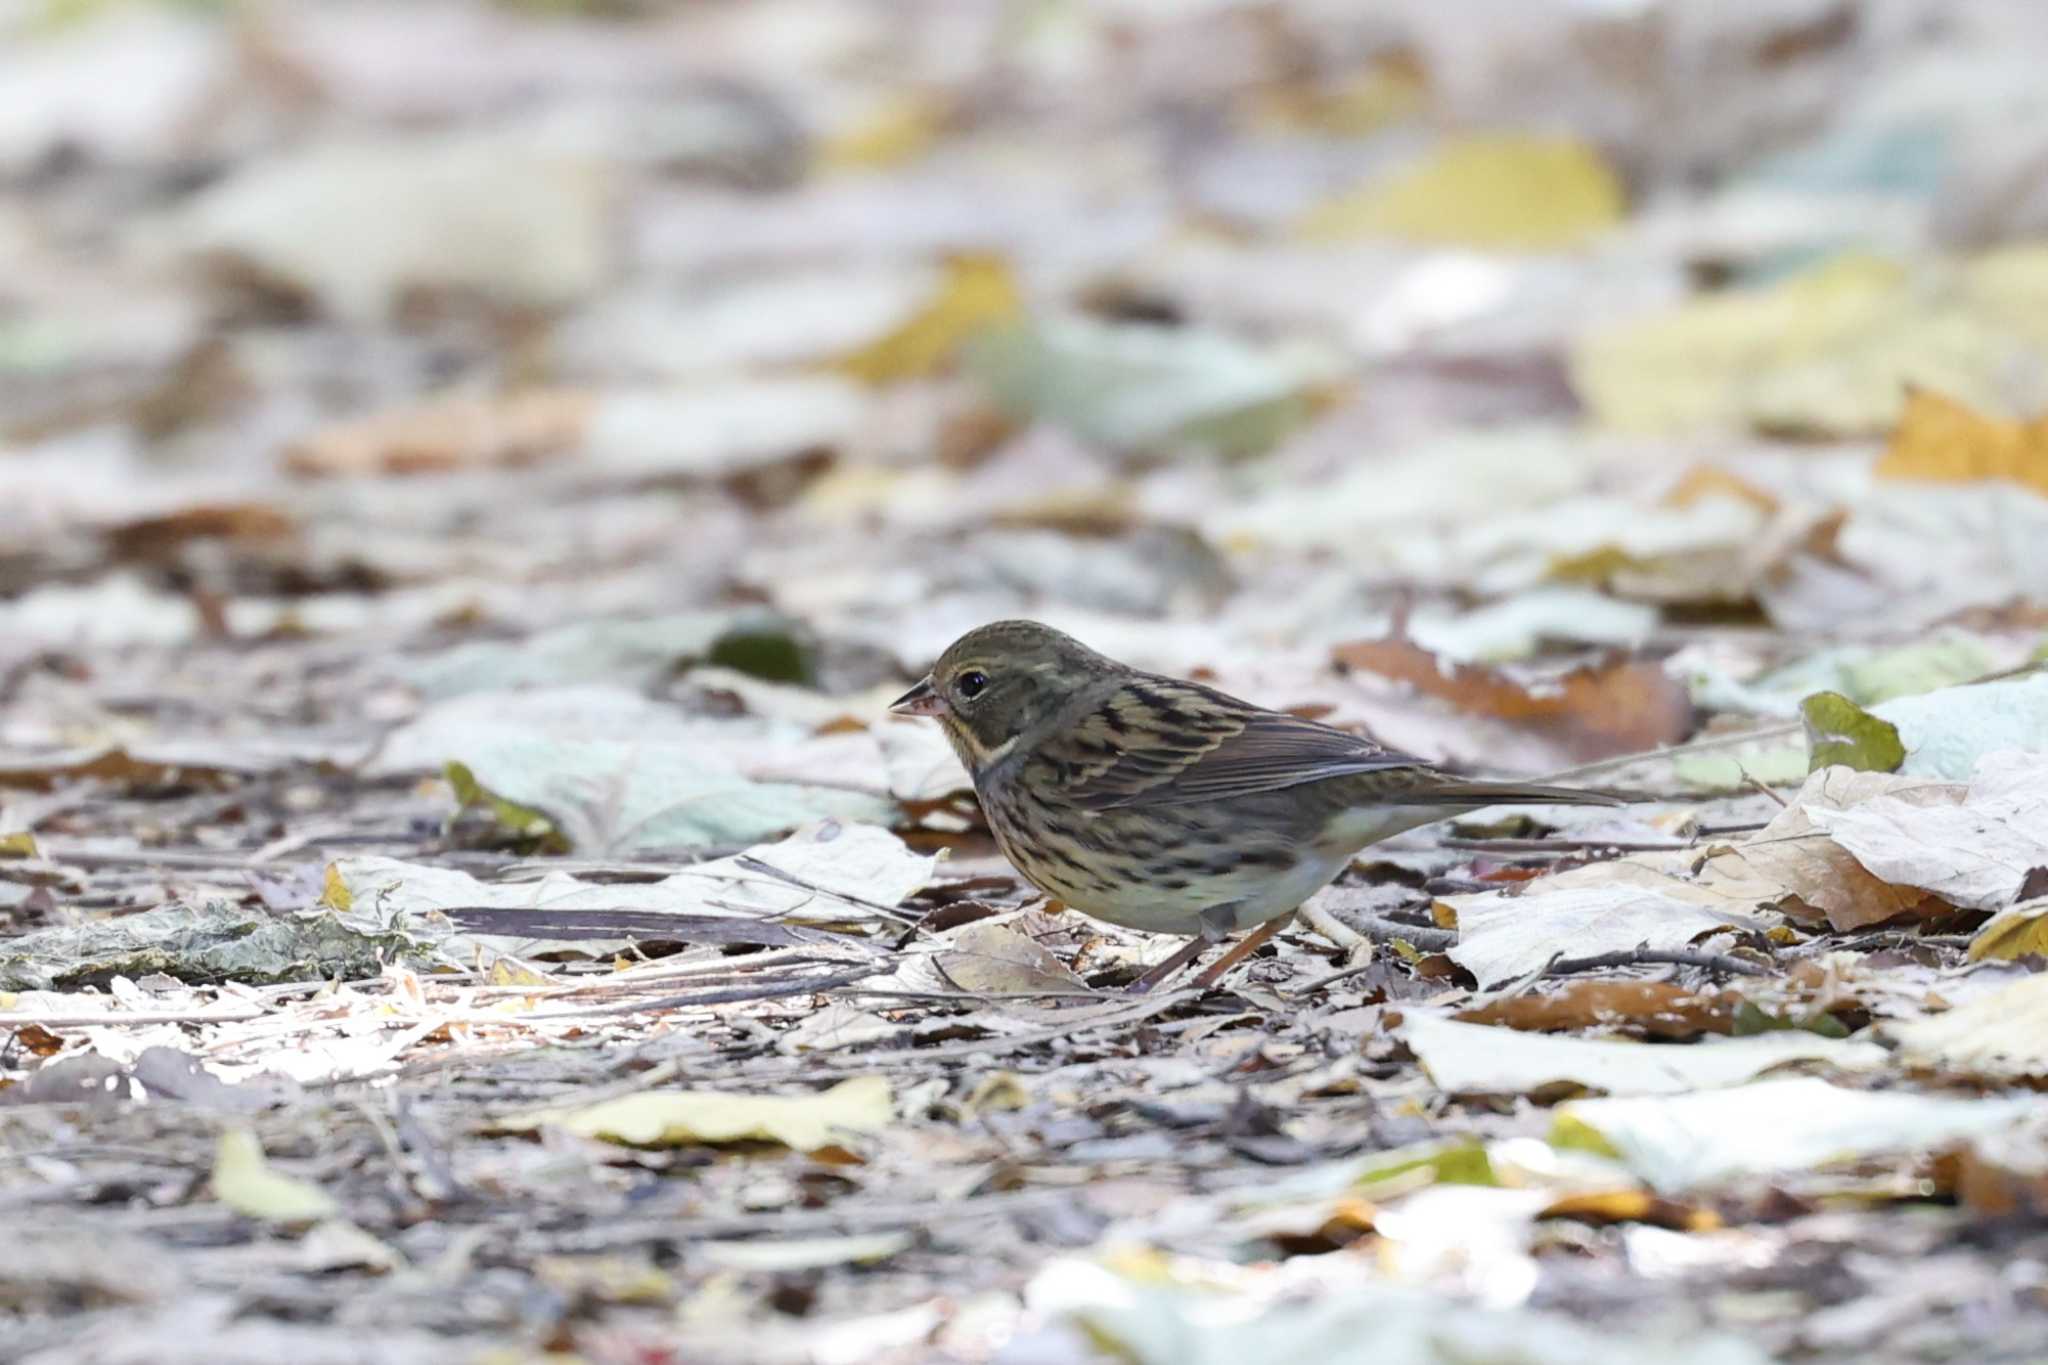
[[921, 700]]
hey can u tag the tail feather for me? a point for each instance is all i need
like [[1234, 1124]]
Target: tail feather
[[1475, 792]]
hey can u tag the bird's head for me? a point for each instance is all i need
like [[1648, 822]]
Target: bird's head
[[1000, 685]]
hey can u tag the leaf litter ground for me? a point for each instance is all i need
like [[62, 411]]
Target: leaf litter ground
[[459, 897]]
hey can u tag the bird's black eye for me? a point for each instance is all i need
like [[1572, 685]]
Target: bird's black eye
[[970, 683]]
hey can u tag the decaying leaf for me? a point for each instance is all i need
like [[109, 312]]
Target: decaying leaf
[[2002, 1036], [1941, 439], [214, 941], [615, 773], [449, 433], [1976, 850], [1690, 1141], [674, 1118], [1474, 1059], [1505, 192], [976, 294], [1839, 732], [992, 959], [1129, 387], [1501, 936], [2014, 932], [247, 1183], [1596, 711], [1654, 1009]]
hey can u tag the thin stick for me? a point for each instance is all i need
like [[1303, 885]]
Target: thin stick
[[1639, 957]]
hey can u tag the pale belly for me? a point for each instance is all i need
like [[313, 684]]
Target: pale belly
[[1189, 870], [1255, 897]]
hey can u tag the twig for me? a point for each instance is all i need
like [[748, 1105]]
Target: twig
[[1332, 928], [774, 990], [1385, 930], [1643, 957]]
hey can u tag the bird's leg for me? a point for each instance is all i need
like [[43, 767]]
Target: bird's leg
[[1194, 948], [1246, 946], [1217, 923]]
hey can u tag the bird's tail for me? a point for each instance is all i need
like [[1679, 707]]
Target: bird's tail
[[1463, 791]]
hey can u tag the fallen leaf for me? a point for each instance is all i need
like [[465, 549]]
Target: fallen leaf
[[337, 1244], [1501, 936], [777, 1255], [2000, 1037], [443, 434], [1657, 1009], [1605, 1207], [1594, 711], [1841, 733], [2004, 1175], [993, 959], [826, 875], [675, 1118], [1685, 1142], [1793, 864], [247, 1183], [1941, 439], [1133, 387], [1192, 1312], [1475, 1059], [2017, 931], [1976, 852], [612, 772], [360, 224], [209, 942], [976, 294], [1504, 192]]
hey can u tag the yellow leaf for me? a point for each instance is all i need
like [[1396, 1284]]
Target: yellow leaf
[[247, 1183], [1386, 92], [1698, 363], [510, 971], [673, 1118], [1509, 192], [334, 892], [899, 129], [21, 844], [2013, 932], [1943, 440], [977, 293]]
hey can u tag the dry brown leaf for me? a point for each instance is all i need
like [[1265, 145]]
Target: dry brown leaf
[[1605, 1207], [157, 537], [991, 959], [1617, 707], [1816, 877], [1652, 1009], [1940, 439], [448, 433], [2014, 932]]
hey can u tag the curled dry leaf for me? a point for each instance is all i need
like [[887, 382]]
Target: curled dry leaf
[[1616, 707]]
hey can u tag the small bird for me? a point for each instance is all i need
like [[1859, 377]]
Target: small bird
[[1167, 806]]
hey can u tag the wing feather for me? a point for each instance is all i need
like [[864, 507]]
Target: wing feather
[[1159, 741]]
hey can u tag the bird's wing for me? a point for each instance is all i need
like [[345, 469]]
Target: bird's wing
[[1158, 741]]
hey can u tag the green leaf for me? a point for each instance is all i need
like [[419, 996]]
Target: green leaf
[[1839, 732]]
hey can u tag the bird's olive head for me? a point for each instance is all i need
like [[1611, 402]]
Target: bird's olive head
[[1000, 684]]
